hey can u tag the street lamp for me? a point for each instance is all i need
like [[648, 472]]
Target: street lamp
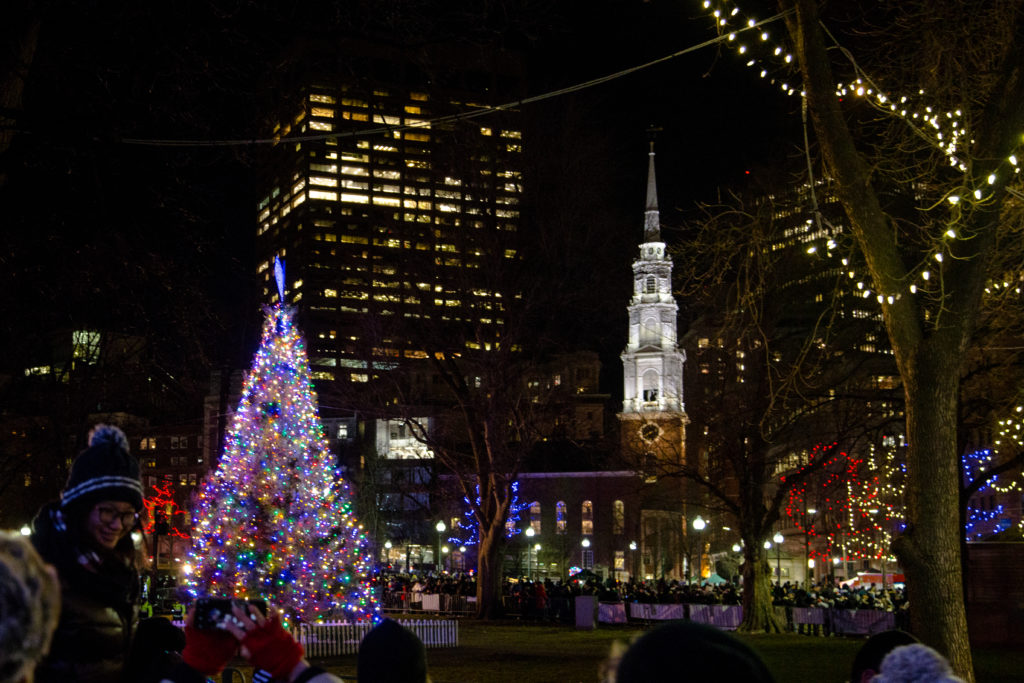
[[440, 530], [530, 533], [778, 538], [632, 559], [387, 549], [536, 561], [699, 525]]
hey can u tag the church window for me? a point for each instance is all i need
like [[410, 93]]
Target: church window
[[650, 390], [650, 285], [560, 517], [587, 525], [649, 331]]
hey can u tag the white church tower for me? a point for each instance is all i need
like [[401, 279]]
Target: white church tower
[[652, 361], [653, 419]]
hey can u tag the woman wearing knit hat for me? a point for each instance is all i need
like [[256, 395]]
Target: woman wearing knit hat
[[87, 537]]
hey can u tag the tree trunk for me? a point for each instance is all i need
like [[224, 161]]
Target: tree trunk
[[758, 611], [929, 550], [489, 573]]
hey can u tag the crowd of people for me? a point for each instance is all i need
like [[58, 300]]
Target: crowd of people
[[69, 610], [548, 598]]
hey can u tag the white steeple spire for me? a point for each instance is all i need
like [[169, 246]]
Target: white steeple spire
[[652, 219]]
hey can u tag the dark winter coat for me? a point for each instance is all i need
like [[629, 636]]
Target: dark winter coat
[[99, 607]]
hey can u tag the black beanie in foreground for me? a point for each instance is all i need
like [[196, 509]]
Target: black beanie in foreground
[[695, 653]]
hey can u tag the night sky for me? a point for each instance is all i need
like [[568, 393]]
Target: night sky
[[158, 241]]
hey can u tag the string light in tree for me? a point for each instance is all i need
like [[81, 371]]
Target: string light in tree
[[467, 531], [947, 131], [161, 506], [274, 520], [855, 514]]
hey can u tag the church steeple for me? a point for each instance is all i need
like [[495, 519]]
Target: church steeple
[[653, 419], [652, 218], [652, 362]]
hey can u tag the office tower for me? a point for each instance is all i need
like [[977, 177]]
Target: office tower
[[394, 189]]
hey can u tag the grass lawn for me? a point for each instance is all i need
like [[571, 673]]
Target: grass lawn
[[531, 653]]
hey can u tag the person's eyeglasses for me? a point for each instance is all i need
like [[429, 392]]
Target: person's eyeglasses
[[108, 515]]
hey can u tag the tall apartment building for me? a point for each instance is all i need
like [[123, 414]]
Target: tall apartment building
[[394, 186]]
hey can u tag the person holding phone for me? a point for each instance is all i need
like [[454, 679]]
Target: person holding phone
[[87, 537], [260, 638]]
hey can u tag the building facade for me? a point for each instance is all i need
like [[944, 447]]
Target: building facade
[[394, 187]]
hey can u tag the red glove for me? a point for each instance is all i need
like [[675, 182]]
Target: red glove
[[208, 651], [273, 649]]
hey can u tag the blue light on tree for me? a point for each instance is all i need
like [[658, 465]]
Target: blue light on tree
[[469, 532]]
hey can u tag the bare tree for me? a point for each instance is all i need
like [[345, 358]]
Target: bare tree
[[955, 195], [776, 375]]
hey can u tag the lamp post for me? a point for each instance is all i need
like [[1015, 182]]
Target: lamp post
[[529, 534], [440, 530], [778, 538], [632, 559], [699, 525], [387, 550], [536, 560], [808, 562]]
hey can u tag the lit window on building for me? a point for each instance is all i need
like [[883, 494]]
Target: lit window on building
[[620, 560], [560, 517], [618, 517], [587, 523], [535, 517], [85, 345]]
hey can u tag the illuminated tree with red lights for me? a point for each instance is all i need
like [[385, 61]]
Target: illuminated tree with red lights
[[163, 514], [851, 506]]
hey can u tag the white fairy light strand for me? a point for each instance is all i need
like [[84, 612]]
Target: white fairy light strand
[[947, 129]]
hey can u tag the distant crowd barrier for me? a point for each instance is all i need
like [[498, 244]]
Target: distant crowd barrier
[[816, 620], [396, 601], [728, 617], [331, 639]]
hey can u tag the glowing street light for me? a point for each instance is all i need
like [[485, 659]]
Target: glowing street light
[[778, 538], [440, 526], [699, 525]]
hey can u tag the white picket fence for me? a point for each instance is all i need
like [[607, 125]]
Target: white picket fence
[[331, 639]]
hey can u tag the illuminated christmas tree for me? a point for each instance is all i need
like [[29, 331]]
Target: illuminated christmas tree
[[274, 520]]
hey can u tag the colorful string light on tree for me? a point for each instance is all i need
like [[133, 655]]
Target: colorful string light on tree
[[275, 519]]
